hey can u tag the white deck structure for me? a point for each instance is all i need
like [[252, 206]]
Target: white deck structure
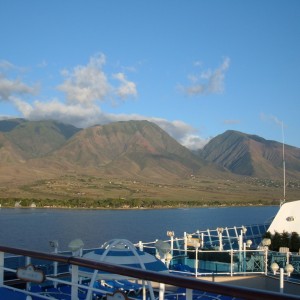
[[287, 218]]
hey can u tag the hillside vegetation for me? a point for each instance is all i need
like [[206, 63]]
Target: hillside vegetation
[[136, 164]]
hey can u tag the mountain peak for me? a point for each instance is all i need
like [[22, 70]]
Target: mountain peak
[[250, 155], [138, 149], [130, 148]]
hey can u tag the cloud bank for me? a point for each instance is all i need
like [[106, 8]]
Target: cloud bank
[[85, 87], [10, 88]]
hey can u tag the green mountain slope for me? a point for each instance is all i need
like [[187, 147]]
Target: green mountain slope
[[7, 125], [37, 138]]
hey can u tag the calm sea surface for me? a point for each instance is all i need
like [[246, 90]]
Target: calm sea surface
[[34, 228]]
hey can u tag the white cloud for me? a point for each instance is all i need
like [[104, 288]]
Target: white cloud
[[270, 118], [194, 142], [9, 87], [184, 133], [84, 116], [6, 65], [12, 87], [207, 82], [24, 107], [86, 84], [75, 114], [127, 88]]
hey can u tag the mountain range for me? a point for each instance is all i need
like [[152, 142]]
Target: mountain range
[[31, 150]]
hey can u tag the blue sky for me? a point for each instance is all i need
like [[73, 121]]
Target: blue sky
[[196, 68]]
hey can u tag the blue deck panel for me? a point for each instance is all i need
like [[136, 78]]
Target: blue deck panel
[[6, 294]]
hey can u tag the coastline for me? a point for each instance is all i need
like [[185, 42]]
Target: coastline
[[138, 208]]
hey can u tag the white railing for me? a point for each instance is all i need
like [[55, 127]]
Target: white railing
[[191, 285]]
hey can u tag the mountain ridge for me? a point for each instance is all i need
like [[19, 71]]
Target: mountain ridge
[[132, 147], [136, 149], [251, 155]]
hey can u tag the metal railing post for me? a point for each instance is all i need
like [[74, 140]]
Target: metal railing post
[[1, 268], [161, 291], [141, 246], [185, 243], [244, 258], [266, 260], [231, 262], [74, 280], [281, 280], [172, 244], [185, 247], [196, 262], [189, 294], [28, 262]]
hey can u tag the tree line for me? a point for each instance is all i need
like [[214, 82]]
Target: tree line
[[119, 203]]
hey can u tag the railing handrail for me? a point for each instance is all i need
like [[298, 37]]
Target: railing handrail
[[174, 280]]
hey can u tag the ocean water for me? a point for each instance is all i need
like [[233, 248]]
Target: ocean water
[[34, 228]]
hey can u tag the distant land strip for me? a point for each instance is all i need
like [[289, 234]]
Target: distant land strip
[[125, 204]]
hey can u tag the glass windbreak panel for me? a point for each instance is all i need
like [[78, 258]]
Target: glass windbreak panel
[[249, 232], [263, 228], [256, 241], [206, 240], [214, 241], [255, 230], [225, 243], [235, 244], [231, 232]]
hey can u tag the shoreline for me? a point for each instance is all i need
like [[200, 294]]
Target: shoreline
[[138, 208]]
